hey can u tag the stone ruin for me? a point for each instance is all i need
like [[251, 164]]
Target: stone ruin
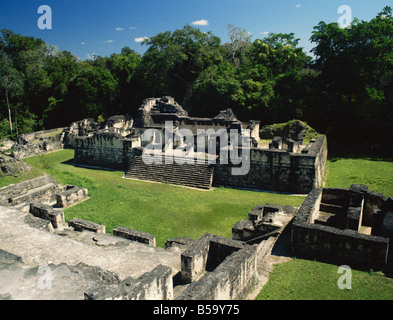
[[43, 189], [87, 263], [286, 166], [31, 144], [351, 226], [345, 226]]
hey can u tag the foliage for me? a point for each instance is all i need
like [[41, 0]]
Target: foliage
[[343, 92], [356, 79]]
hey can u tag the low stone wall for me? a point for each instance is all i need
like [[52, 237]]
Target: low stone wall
[[46, 212], [80, 225], [232, 279], [154, 285], [218, 269], [135, 235], [332, 244]]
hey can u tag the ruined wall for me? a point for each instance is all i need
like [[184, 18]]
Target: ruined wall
[[154, 285], [43, 187], [331, 244], [106, 150], [218, 269], [279, 170], [31, 144], [232, 279], [339, 246]]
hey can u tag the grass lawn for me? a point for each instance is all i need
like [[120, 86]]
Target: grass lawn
[[7, 180], [377, 174], [300, 279], [164, 210]]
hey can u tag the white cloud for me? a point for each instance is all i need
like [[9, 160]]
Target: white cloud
[[202, 22], [90, 56], [132, 28], [82, 43], [119, 29], [298, 5], [141, 39], [110, 41], [265, 32]]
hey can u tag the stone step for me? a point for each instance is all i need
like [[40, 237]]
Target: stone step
[[193, 175], [33, 194], [332, 208]]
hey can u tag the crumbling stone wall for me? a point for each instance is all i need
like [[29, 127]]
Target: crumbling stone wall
[[218, 269], [104, 149], [154, 285], [47, 212], [135, 235], [34, 143], [279, 170], [340, 243], [43, 188], [70, 195]]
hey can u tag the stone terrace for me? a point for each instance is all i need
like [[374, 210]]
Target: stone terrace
[[116, 256]]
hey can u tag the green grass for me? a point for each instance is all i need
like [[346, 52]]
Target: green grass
[[300, 279], [164, 210], [7, 180], [376, 173]]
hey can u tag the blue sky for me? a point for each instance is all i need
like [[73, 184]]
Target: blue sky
[[102, 27]]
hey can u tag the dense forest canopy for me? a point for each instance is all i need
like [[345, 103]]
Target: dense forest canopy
[[345, 91]]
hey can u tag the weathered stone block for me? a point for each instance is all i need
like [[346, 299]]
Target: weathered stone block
[[80, 225], [46, 212], [70, 195], [135, 235]]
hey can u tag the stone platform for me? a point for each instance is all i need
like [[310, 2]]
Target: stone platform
[[76, 259]]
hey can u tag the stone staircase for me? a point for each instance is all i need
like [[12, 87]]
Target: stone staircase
[[190, 175], [41, 188]]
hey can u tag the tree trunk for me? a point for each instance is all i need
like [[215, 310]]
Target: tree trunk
[[9, 110]]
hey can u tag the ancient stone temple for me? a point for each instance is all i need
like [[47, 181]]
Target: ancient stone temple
[[162, 143]]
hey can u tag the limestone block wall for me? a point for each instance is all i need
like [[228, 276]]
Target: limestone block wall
[[234, 274], [218, 268], [43, 187], [154, 285], [105, 150], [339, 246], [279, 170], [332, 244], [135, 235]]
